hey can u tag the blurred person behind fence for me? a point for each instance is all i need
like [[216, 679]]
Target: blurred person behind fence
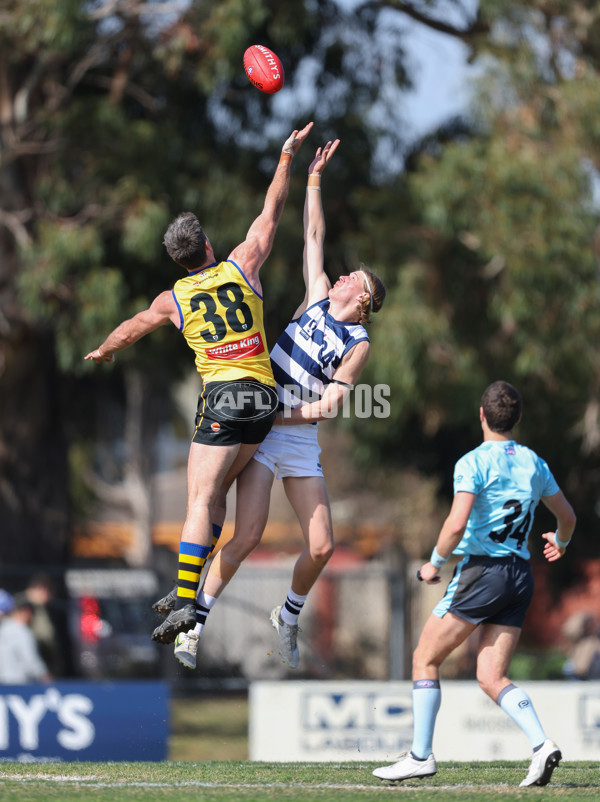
[[20, 660], [40, 594], [583, 633], [7, 603]]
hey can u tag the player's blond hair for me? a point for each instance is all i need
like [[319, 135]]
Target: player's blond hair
[[375, 288]]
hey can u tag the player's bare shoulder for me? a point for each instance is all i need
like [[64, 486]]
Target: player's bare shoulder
[[165, 307]]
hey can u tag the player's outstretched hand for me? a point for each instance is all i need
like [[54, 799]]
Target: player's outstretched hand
[[98, 356], [552, 552], [322, 156], [295, 139]]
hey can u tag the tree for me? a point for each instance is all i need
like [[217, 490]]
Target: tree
[[115, 115], [500, 278]]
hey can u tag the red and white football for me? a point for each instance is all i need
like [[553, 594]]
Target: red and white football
[[263, 69]]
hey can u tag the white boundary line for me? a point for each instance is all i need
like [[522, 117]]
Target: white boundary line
[[94, 782]]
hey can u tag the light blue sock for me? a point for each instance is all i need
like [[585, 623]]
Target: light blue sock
[[426, 698], [516, 704]]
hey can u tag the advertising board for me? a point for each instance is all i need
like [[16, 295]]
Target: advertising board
[[329, 721], [84, 721]]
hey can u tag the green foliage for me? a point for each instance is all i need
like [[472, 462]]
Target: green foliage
[[155, 114], [487, 241], [142, 230], [503, 277], [44, 28], [531, 666], [64, 285]]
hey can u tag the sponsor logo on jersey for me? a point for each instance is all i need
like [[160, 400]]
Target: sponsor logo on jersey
[[308, 328], [203, 276], [510, 450], [216, 427], [238, 349]]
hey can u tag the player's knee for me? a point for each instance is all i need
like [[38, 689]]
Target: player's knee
[[242, 545], [252, 540], [200, 505], [321, 553]]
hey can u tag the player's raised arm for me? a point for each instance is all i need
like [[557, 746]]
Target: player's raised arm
[[162, 310], [332, 400], [316, 282], [251, 254]]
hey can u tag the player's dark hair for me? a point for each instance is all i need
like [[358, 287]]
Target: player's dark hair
[[185, 241], [502, 406], [376, 289]]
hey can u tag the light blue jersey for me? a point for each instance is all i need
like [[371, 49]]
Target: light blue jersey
[[508, 481]]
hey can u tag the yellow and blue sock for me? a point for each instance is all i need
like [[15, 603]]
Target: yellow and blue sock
[[216, 534], [191, 562]]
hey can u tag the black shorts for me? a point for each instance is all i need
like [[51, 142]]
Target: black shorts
[[490, 590], [235, 412]]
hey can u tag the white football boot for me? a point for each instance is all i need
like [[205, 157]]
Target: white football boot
[[186, 648], [407, 767], [543, 763], [288, 636]]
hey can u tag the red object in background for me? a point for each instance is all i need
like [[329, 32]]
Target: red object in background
[[90, 622]]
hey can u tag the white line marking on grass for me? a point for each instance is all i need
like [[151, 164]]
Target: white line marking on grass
[[94, 782]]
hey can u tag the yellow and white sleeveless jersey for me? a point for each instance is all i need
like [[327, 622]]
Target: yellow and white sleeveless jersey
[[221, 318]]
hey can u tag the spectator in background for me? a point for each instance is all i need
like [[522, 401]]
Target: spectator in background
[[39, 593], [582, 631], [6, 603], [20, 660]]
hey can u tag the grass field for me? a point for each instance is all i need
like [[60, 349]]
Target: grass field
[[208, 728], [293, 782]]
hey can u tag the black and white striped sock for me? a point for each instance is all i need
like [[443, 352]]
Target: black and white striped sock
[[292, 608], [204, 604]]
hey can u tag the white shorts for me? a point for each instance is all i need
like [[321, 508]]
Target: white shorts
[[291, 451]]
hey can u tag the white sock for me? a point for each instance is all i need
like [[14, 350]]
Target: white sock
[[204, 604], [292, 608]]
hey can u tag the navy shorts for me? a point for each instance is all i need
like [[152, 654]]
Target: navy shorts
[[490, 590], [235, 412]]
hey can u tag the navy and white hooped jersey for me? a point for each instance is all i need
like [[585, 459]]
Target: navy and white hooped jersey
[[308, 353], [508, 481]]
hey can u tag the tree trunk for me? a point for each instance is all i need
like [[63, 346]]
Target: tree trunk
[[140, 433], [34, 497]]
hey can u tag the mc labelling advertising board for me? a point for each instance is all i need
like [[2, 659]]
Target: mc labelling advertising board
[[363, 720], [97, 721]]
